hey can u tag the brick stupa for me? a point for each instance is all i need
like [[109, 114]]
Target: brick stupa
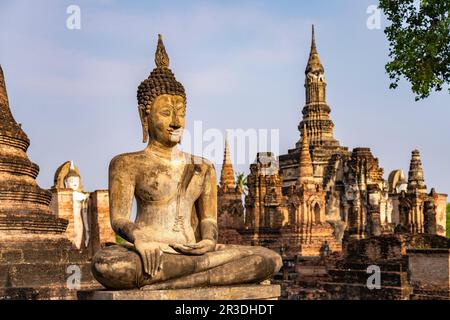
[[24, 206], [35, 254]]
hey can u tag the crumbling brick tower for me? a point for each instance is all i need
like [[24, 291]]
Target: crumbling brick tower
[[265, 212], [419, 212], [307, 230]]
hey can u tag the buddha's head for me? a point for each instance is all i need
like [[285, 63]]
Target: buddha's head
[[162, 102], [72, 180]]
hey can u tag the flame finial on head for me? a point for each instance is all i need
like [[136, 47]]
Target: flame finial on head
[[160, 81], [73, 171], [161, 57]]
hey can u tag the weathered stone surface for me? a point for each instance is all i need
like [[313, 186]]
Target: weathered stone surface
[[264, 201], [37, 267], [101, 230], [244, 292], [404, 273], [430, 270]]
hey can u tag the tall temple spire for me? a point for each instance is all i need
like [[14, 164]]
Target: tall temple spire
[[314, 64], [227, 172], [416, 182], [316, 112], [24, 205], [305, 169]]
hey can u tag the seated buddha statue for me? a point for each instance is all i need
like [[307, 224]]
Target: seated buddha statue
[[172, 243]]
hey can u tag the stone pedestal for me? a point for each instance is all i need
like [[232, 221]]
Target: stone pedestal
[[242, 292]]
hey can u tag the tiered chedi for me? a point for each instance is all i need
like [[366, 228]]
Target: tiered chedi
[[326, 152], [316, 112], [24, 205], [35, 253]]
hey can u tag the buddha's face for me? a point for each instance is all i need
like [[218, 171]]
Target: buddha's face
[[72, 183], [165, 119]]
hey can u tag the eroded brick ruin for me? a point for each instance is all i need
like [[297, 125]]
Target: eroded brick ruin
[[332, 215]]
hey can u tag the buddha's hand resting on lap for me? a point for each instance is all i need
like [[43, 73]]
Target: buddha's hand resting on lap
[[198, 248], [151, 255]]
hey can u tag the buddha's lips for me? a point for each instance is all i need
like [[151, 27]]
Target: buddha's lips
[[177, 132]]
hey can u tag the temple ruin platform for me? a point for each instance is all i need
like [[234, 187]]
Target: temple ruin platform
[[241, 292]]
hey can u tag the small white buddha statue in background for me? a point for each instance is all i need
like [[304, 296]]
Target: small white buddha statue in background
[[80, 208]]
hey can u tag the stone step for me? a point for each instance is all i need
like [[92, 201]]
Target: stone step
[[388, 278], [421, 294], [238, 292], [428, 297], [399, 267], [321, 241], [354, 291], [319, 245], [279, 276], [308, 294], [44, 292], [317, 284]]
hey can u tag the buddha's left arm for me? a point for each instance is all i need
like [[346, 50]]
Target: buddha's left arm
[[207, 206], [206, 209]]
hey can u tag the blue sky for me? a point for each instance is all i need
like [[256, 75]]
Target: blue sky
[[241, 62]]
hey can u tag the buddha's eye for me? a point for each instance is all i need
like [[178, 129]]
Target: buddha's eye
[[180, 110], [165, 112]]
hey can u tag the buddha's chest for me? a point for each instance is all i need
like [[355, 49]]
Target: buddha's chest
[[162, 183]]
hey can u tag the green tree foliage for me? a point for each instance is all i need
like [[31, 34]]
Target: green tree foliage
[[241, 182], [419, 44], [119, 239]]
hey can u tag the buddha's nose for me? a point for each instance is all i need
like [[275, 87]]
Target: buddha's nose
[[175, 123]]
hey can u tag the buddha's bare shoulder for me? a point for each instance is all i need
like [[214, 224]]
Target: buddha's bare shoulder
[[126, 161], [200, 162]]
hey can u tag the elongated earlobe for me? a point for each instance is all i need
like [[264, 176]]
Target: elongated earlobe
[[143, 115]]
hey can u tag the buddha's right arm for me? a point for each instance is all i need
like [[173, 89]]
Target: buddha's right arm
[[121, 191], [125, 228]]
